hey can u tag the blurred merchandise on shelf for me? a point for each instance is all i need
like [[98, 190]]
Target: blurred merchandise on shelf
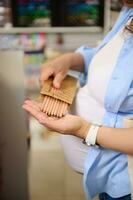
[[32, 62], [51, 53], [40, 13], [5, 13], [83, 13], [57, 48], [24, 41], [33, 46], [77, 13], [116, 5], [32, 42], [31, 12], [9, 41]]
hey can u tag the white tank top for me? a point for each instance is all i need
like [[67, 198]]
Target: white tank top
[[90, 98]]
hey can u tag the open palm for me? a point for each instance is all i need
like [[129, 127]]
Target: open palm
[[69, 124]]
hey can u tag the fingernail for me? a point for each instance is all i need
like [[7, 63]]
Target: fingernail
[[56, 85]]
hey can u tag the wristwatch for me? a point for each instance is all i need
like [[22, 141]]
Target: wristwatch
[[90, 139]]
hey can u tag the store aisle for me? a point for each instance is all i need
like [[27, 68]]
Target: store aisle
[[50, 177]]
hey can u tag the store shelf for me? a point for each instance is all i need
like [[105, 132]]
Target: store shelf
[[52, 30]]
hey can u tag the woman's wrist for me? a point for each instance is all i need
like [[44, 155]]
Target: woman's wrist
[[105, 136], [76, 61], [68, 59], [83, 131], [99, 136]]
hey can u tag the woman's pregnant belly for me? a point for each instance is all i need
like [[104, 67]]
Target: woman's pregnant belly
[[89, 109]]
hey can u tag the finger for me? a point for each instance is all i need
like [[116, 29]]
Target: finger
[[57, 80], [32, 101], [33, 104], [33, 111], [41, 117], [46, 73], [49, 122]]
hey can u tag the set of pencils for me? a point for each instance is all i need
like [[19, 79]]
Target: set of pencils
[[55, 102], [54, 107]]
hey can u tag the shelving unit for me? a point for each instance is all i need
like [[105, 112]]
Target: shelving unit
[[77, 29], [73, 36], [13, 30]]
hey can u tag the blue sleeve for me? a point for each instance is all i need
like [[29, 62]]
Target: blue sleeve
[[87, 53]]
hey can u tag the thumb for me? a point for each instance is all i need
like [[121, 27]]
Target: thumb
[[57, 80]]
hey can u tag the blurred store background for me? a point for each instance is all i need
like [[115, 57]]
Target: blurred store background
[[32, 32]]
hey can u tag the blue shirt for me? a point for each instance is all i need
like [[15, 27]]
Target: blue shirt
[[107, 170]]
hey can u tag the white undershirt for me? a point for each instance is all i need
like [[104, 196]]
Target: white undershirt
[[90, 98]]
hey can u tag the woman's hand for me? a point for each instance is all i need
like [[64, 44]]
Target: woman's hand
[[69, 124], [59, 67]]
